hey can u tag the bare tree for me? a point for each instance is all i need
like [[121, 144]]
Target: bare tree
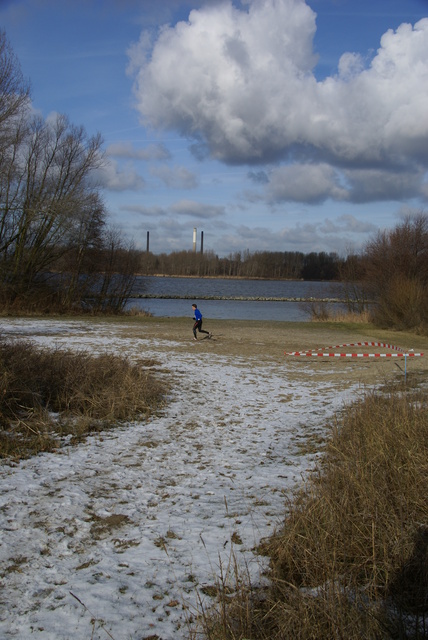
[[14, 109], [116, 269], [53, 234], [354, 286], [76, 264], [397, 274], [49, 195], [14, 90]]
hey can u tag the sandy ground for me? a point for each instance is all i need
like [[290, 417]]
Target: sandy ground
[[268, 342], [124, 536]]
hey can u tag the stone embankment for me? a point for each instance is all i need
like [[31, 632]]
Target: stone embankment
[[246, 298]]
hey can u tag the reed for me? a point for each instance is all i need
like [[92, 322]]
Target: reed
[[320, 311]]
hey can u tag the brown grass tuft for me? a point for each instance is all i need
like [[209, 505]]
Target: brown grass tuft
[[46, 395], [320, 311]]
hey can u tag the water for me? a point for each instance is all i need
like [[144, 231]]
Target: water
[[195, 289], [229, 288]]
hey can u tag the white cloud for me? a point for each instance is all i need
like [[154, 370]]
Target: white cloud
[[175, 177], [218, 75], [347, 223], [127, 150], [241, 84], [316, 183], [307, 237], [172, 230], [148, 212], [350, 65], [197, 209], [305, 183], [113, 178], [370, 185]]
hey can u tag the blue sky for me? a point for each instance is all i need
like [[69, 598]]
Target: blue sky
[[278, 125]]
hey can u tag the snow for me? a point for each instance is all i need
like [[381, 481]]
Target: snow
[[116, 537]]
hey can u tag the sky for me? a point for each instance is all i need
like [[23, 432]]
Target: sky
[[268, 125]]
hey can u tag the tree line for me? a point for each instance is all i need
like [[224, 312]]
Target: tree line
[[291, 265]]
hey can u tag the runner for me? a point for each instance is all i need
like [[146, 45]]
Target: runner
[[198, 322]]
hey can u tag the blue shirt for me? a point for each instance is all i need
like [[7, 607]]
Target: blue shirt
[[198, 315]]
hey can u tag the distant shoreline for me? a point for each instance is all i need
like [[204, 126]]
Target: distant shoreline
[[166, 275]]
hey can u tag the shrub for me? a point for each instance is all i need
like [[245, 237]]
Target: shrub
[[48, 394], [396, 275], [403, 304]]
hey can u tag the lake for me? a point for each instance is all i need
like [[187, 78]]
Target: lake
[[237, 297]]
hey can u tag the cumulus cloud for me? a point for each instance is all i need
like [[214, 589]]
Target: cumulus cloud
[[182, 208], [307, 237], [175, 177], [258, 177], [316, 183], [197, 209], [347, 223], [306, 183], [147, 212], [241, 84], [113, 178], [371, 185], [173, 232], [127, 150], [216, 76]]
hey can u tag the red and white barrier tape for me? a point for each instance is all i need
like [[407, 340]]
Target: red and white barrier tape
[[362, 344], [325, 352]]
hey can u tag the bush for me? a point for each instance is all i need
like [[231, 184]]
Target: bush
[[45, 395], [403, 304], [396, 275]]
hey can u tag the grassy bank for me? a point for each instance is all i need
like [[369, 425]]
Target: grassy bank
[[351, 560], [47, 396]]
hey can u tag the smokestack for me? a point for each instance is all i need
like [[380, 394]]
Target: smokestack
[[148, 234], [194, 239], [202, 242]]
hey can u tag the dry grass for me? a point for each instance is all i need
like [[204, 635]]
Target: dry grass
[[352, 558], [320, 311], [363, 317], [403, 311], [47, 395]]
